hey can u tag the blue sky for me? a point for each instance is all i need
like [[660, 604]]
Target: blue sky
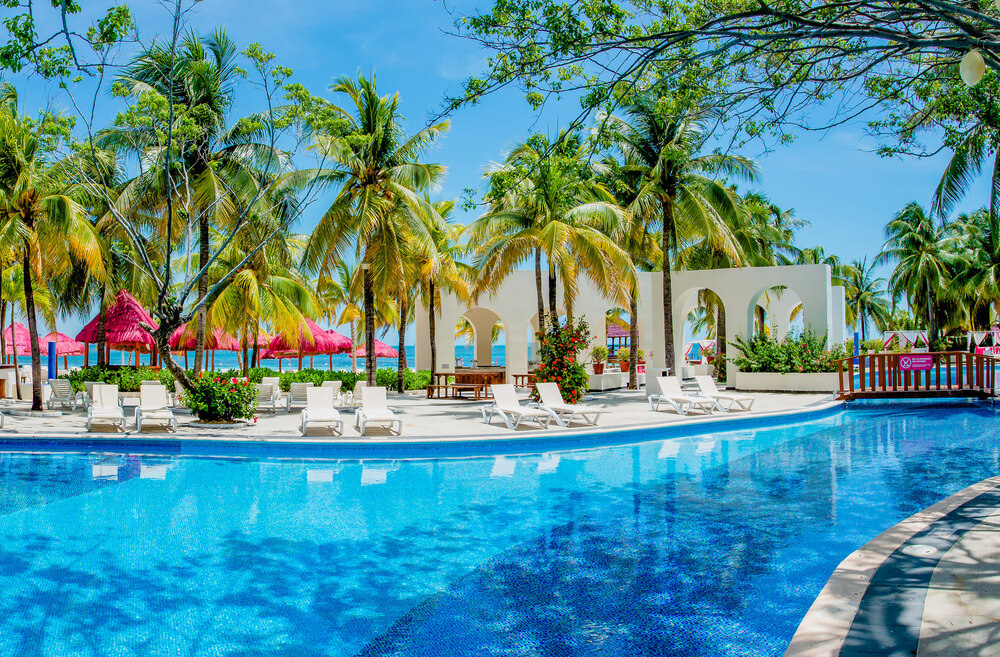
[[830, 179]]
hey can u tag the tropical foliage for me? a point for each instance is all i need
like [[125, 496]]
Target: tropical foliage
[[802, 353], [559, 347]]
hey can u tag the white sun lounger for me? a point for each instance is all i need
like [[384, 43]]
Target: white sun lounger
[[104, 407], [336, 386], [61, 392], [319, 410], [267, 397], [671, 393], [510, 410], [297, 394], [723, 400], [375, 409], [551, 400], [354, 398], [153, 407]]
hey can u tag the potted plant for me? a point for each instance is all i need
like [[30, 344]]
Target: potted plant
[[641, 355], [598, 355], [623, 355]]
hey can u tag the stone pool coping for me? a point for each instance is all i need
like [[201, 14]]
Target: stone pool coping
[[403, 447], [837, 616]]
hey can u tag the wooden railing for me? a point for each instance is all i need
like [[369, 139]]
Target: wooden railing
[[935, 374]]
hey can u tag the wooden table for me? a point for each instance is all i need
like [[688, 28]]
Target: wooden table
[[466, 379]]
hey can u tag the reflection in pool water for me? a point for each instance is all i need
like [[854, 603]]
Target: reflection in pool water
[[698, 546]]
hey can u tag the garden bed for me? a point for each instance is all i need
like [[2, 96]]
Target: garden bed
[[782, 382]]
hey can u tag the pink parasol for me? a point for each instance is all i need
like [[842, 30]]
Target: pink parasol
[[319, 342], [615, 331], [342, 341], [382, 350], [65, 345], [18, 338], [217, 339], [122, 327]]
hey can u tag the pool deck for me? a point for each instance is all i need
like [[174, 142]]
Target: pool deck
[[423, 420], [928, 586]]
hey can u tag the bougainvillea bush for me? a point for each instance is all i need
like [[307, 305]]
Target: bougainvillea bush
[[558, 350], [226, 399]]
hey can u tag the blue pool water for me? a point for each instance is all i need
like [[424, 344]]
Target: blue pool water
[[700, 546]]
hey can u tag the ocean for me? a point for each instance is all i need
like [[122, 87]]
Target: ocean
[[225, 360]]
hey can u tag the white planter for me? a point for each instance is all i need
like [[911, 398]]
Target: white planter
[[775, 382]]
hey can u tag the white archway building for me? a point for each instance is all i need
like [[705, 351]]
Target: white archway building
[[740, 290]]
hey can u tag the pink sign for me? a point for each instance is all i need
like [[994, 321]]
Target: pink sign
[[640, 369], [916, 362]]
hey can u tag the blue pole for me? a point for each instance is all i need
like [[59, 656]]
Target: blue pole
[[53, 361], [857, 347]]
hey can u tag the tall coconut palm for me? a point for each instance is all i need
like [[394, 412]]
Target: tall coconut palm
[[441, 268], [923, 254], [680, 186], [866, 296], [44, 228], [379, 200], [979, 275], [554, 209], [215, 166]]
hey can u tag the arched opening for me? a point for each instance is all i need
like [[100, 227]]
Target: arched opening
[[705, 329], [479, 339], [776, 312]]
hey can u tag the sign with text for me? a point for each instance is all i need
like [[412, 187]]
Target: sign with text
[[916, 362], [640, 369]]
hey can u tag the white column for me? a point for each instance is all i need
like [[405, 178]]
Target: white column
[[516, 350]]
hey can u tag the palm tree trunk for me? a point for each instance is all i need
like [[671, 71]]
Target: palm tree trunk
[[931, 320], [862, 320], [203, 255], [17, 365], [668, 301], [538, 290], [102, 328], [553, 311], [401, 363], [354, 345], [256, 348], [720, 331], [36, 352], [633, 338], [432, 326], [369, 300]]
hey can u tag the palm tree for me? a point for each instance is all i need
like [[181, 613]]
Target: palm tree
[[342, 291], [44, 229], [554, 209], [215, 165], [923, 254], [678, 187], [979, 275], [379, 205], [866, 296], [266, 290], [441, 268]]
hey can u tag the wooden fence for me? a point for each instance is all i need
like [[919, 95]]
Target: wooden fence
[[935, 374]]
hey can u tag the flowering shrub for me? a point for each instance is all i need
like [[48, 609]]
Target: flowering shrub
[[215, 399], [796, 353], [558, 347]]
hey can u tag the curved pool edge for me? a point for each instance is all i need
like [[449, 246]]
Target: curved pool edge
[[402, 447], [836, 614]]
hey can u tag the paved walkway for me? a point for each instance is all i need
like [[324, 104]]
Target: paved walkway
[[930, 587], [422, 419]]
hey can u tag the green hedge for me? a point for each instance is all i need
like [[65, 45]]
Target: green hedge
[[128, 379], [802, 353]]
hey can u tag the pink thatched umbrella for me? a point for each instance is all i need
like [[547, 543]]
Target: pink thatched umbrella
[[182, 340], [16, 336], [123, 328], [382, 350], [65, 346], [316, 341]]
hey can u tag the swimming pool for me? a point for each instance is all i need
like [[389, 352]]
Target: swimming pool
[[710, 545]]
